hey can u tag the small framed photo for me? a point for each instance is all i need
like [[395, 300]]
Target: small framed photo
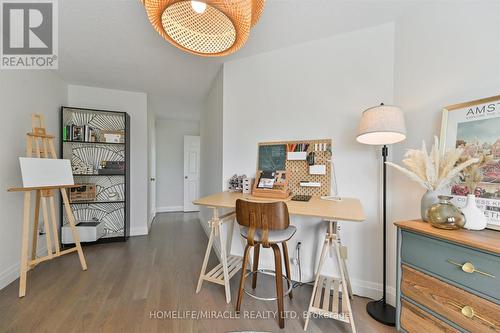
[[475, 127]]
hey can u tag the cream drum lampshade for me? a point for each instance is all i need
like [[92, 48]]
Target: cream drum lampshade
[[204, 27], [382, 125]]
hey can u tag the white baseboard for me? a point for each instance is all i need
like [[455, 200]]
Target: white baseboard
[[10, 274], [139, 231], [169, 209], [373, 290]]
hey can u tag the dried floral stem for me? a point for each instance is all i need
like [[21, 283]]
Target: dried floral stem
[[435, 170]]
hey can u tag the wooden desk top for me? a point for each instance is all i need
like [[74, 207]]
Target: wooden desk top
[[349, 209], [487, 240]]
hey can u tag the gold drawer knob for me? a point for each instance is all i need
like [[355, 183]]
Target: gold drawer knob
[[468, 311], [469, 268]]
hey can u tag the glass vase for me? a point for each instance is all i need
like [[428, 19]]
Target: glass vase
[[445, 215]]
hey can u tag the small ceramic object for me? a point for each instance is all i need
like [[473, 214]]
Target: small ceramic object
[[428, 199], [113, 196], [445, 215], [474, 217]]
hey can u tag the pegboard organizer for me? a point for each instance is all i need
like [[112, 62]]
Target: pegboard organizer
[[298, 170]]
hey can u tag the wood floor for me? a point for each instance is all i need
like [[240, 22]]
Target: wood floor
[[128, 284]]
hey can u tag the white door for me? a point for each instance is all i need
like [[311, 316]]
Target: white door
[[191, 172]]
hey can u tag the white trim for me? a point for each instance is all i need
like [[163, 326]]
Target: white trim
[[373, 290], [11, 274], [169, 209], [139, 231]]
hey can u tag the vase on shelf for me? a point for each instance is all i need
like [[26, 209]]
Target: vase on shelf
[[474, 217], [428, 199]]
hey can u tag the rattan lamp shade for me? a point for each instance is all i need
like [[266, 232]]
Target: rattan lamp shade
[[221, 29]]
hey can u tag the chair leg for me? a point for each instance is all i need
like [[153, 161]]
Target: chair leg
[[279, 284], [242, 279], [287, 266], [256, 251]]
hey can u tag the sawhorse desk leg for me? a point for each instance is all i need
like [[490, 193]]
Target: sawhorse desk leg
[[229, 265], [322, 302]]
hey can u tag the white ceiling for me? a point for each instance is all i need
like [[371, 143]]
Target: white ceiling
[[110, 43]]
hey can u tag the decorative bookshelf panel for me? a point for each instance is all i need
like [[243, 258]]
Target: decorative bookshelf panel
[[99, 120], [111, 214], [86, 158], [108, 187], [97, 143]]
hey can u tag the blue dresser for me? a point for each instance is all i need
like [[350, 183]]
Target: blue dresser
[[447, 280]]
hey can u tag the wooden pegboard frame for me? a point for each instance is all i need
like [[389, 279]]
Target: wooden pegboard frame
[[298, 171]]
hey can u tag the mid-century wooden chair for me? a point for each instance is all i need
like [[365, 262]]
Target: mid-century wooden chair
[[266, 224]]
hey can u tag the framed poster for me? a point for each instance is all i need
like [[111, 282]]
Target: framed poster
[[475, 126]]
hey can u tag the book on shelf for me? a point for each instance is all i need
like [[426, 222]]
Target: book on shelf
[[83, 133]]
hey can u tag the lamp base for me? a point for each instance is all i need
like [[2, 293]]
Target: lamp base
[[383, 313]]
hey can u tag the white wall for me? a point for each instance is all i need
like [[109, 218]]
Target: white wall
[[211, 144], [444, 54], [21, 94], [309, 91], [170, 161], [174, 108], [136, 105]]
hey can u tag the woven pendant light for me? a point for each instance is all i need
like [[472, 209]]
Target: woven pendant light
[[205, 27]]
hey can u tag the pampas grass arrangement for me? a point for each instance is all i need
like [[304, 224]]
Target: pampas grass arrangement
[[472, 174], [433, 170]]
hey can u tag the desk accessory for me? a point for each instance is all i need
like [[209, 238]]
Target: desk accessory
[[271, 184], [317, 169], [331, 198], [382, 125], [299, 197], [310, 184], [297, 168], [235, 183], [247, 185]]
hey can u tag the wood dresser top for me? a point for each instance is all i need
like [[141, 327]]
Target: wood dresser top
[[486, 240]]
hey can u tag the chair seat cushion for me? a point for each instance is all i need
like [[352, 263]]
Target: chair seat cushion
[[275, 236]]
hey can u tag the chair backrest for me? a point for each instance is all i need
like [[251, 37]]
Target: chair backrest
[[262, 215]]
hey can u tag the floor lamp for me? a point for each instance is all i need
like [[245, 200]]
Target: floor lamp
[[382, 125]]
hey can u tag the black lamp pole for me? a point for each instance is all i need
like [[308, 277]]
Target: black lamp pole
[[380, 310]]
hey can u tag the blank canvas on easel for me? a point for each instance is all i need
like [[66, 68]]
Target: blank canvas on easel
[[40, 172]]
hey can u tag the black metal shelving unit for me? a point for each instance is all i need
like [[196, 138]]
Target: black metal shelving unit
[[86, 156]]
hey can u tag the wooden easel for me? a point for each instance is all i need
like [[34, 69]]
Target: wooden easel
[[41, 144]]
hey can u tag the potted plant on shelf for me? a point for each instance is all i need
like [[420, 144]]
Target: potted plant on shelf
[[433, 171]]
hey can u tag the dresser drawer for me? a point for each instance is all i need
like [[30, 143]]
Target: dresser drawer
[[469, 311], [446, 259], [416, 320]]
